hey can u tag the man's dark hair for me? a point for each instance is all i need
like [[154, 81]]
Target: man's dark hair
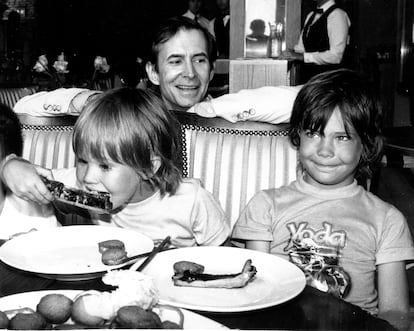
[[171, 27]]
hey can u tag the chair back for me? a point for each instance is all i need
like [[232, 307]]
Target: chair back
[[235, 160], [10, 95], [103, 84], [47, 141]]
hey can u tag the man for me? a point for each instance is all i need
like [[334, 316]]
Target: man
[[322, 41], [194, 13], [181, 66], [220, 28], [182, 62]]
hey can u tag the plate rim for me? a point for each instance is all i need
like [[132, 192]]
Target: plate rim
[[207, 308], [76, 276]]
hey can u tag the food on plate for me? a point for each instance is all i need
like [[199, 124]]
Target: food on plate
[[81, 315], [111, 243], [171, 317], [133, 289], [55, 308], [134, 317], [27, 321], [113, 256], [187, 266], [4, 320], [113, 251], [133, 304], [94, 200], [191, 274], [170, 325], [13, 312]]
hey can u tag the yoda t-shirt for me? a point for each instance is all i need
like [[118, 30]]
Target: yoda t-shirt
[[335, 236]]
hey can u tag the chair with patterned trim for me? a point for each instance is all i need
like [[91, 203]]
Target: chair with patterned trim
[[235, 160], [10, 95], [47, 141]]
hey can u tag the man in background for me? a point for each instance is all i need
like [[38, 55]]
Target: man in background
[[194, 13], [220, 28], [323, 40], [181, 65]]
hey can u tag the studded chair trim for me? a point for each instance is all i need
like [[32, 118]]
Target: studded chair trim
[[235, 160]]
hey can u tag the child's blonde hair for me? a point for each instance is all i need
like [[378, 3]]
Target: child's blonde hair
[[131, 127]]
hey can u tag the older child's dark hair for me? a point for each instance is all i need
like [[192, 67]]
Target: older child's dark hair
[[11, 140], [131, 127], [359, 106]]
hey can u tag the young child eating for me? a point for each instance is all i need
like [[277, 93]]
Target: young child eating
[[126, 144]]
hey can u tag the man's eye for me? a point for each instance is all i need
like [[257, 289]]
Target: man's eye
[[174, 61], [200, 60]]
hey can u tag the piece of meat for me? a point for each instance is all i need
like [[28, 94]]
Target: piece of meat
[[185, 277]]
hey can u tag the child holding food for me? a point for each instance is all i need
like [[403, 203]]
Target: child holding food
[[126, 144], [346, 240], [17, 215]]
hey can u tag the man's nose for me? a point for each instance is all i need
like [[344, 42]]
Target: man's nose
[[188, 69]]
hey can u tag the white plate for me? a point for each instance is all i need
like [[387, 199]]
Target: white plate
[[31, 299], [276, 281], [70, 252]]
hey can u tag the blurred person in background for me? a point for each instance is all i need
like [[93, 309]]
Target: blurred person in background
[[220, 28], [194, 12]]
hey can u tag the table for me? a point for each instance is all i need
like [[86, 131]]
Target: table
[[311, 309]]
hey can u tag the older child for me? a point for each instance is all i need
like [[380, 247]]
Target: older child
[[347, 240], [126, 144], [17, 215]]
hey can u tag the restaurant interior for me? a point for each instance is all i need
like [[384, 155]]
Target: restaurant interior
[[381, 46]]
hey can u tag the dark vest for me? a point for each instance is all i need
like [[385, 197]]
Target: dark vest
[[315, 39], [222, 36]]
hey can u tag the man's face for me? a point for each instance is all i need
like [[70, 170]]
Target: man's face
[[184, 71], [223, 5], [194, 6]]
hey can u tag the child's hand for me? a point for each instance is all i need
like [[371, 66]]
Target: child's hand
[[23, 179]]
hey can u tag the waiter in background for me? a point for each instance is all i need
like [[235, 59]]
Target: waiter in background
[[220, 28], [323, 40]]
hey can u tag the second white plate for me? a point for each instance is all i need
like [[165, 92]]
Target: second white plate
[[277, 280]]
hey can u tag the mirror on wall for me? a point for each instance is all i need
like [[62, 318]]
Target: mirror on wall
[[263, 20]]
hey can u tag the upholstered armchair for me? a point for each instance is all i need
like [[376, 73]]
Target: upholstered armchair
[[235, 160]]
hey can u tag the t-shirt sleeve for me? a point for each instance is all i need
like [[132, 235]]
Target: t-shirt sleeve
[[211, 226], [396, 243], [255, 221]]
